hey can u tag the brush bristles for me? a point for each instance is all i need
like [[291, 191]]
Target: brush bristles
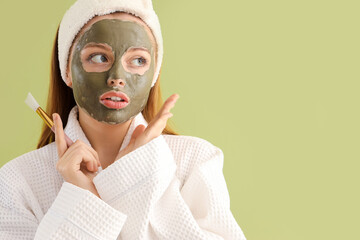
[[31, 102]]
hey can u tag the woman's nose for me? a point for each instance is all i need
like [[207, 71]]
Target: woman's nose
[[116, 82]]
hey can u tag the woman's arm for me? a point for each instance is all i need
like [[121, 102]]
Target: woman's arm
[[206, 195], [76, 213], [143, 185]]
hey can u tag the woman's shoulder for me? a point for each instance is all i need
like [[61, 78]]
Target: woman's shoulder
[[30, 179], [190, 151], [30, 164], [190, 144]]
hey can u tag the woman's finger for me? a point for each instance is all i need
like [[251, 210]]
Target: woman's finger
[[163, 113], [90, 160], [161, 121], [138, 130], [59, 135], [79, 156], [168, 104], [92, 151], [157, 125], [154, 129]]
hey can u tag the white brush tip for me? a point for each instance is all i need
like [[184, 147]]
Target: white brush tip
[[30, 100]]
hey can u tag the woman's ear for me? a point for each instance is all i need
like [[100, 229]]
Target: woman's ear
[[68, 80]]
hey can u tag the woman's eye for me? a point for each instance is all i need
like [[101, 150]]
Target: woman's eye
[[99, 58], [139, 62]]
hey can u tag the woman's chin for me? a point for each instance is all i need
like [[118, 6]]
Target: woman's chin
[[112, 123], [109, 118]]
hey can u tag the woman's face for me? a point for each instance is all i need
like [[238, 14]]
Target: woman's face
[[111, 67]]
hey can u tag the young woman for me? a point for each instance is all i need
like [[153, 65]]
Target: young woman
[[127, 175]]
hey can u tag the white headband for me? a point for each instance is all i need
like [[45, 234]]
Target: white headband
[[84, 10]]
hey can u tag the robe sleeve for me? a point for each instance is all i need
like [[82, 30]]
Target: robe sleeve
[[76, 213], [143, 185]]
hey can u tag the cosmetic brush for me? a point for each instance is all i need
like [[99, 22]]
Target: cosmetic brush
[[30, 100]]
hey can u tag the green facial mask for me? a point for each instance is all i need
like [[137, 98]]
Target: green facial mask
[[89, 86]]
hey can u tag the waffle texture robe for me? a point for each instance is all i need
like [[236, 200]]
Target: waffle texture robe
[[170, 188]]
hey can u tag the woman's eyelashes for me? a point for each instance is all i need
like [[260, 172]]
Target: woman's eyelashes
[[98, 58], [138, 62]]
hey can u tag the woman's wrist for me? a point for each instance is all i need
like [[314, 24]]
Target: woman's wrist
[[94, 191], [91, 187]]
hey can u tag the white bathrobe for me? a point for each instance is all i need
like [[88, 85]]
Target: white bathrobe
[[170, 188]]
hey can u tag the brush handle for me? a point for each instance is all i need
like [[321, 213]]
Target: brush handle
[[67, 139]]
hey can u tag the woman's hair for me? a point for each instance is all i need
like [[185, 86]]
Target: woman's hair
[[61, 100]]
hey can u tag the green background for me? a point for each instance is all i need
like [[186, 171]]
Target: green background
[[274, 84]]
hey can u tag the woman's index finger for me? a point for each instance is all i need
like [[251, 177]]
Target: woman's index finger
[[59, 135], [157, 125], [169, 104]]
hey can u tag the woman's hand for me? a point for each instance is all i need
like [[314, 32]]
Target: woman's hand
[[142, 136], [78, 163]]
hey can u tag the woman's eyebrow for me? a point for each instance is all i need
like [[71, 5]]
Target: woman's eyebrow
[[98, 45], [132, 49]]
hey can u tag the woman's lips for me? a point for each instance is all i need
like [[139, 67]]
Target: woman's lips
[[114, 100]]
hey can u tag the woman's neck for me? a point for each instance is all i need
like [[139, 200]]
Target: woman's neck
[[106, 139]]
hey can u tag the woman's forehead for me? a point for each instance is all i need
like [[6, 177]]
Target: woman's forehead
[[118, 15], [116, 33]]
